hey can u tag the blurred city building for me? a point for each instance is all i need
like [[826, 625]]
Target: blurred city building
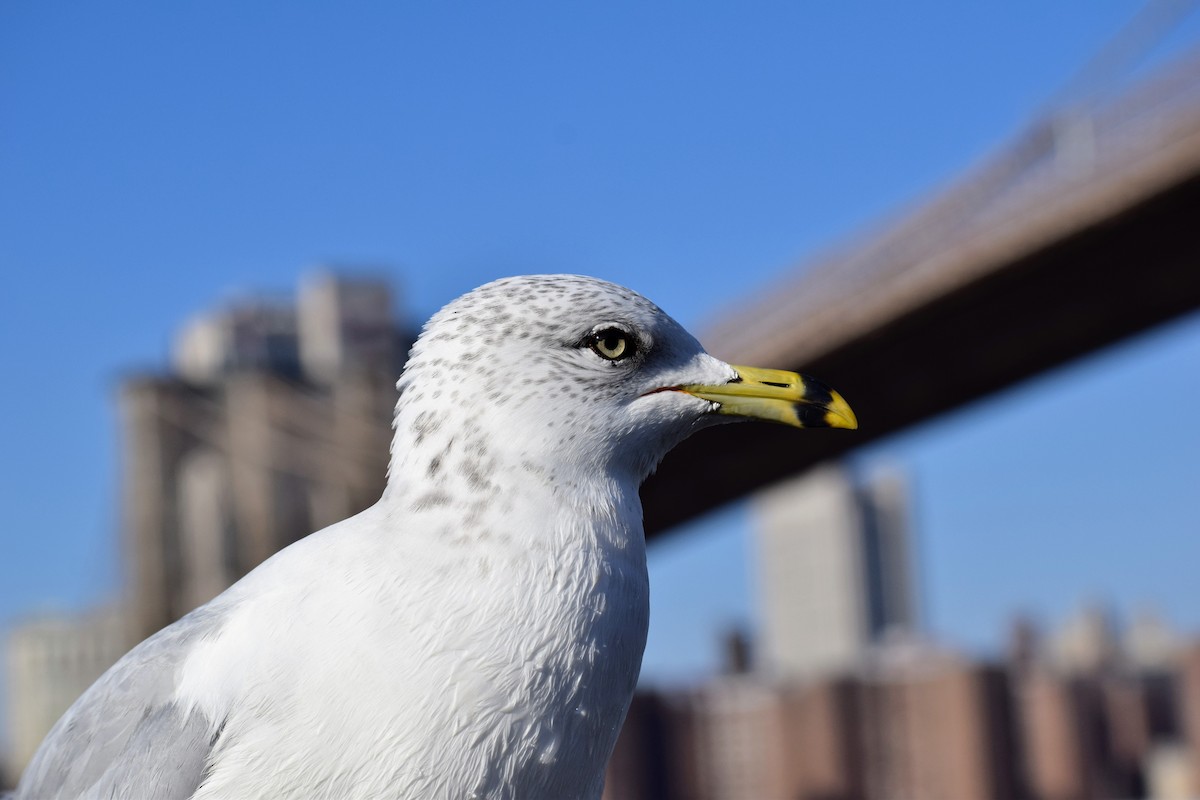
[[1189, 709], [648, 749], [836, 573], [1149, 643], [919, 729], [1168, 773], [912, 721], [1087, 641], [51, 660], [274, 423]]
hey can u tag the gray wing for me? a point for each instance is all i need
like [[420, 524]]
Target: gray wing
[[125, 737]]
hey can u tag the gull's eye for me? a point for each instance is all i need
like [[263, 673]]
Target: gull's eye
[[613, 344]]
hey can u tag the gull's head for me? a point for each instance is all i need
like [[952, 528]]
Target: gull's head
[[571, 372]]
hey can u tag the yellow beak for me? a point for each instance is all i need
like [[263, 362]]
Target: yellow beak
[[778, 396]]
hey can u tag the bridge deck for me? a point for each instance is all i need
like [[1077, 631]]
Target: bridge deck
[[1086, 230]]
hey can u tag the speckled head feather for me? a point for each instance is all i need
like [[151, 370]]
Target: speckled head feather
[[512, 365]]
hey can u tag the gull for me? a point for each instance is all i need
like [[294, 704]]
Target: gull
[[478, 632]]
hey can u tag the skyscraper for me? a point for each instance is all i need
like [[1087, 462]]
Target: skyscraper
[[835, 570]]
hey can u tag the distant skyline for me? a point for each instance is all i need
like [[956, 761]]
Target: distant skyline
[[155, 159]]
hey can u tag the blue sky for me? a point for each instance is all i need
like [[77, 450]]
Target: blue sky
[[155, 158]]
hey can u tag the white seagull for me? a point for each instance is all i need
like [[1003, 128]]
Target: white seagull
[[478, 632]]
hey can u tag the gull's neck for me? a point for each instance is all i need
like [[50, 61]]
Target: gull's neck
[[446, 464]]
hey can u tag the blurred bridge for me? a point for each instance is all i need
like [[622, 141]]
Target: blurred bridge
[[1085, 230]]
